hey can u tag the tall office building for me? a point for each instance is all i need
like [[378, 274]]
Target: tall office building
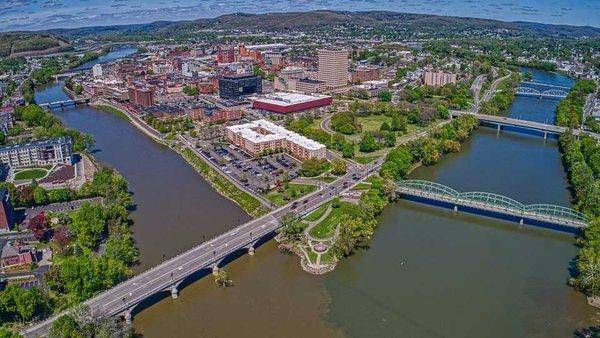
[[333, 67]]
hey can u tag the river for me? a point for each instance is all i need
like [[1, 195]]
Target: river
[[427, 273]]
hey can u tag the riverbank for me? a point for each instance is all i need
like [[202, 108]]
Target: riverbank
[[226, 188]]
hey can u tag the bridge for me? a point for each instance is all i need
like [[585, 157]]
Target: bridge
[[543, 84], [66, 75], [64, 103], [549, 94], [170, 276], [493, 205], [523, 126]]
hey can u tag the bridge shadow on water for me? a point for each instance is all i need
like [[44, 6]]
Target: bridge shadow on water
[[196, 276]]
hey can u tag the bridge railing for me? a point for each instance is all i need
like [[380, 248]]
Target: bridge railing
[[493, 201]]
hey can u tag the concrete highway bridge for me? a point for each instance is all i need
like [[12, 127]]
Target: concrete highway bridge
[[170, 276], [523, 126], [493, 205]]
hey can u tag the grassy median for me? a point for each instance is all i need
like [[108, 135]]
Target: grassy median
[[249, 203]]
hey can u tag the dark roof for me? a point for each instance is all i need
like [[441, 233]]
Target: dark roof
[[307, 80], [38, 143], [239, 76]]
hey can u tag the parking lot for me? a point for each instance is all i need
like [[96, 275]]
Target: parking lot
[[257, 174]]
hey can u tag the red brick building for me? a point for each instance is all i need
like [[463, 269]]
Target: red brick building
[[141, 96], [367, 73]]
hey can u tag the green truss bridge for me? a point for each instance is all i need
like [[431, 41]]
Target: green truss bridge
[[493, 205]]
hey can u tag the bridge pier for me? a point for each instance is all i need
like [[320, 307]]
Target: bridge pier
[[545, 135], [127, 317], [215, 270], [251, 251], [521, 222], [498, 127], [174, 292], [456, 208]]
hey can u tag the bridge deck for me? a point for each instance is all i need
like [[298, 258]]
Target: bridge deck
[[494, 203]]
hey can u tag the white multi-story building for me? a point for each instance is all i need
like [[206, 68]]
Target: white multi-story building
[[333, 67], [40, 152], [97, 70], [262, 136]]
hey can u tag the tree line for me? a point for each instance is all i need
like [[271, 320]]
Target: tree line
[[582, 161]]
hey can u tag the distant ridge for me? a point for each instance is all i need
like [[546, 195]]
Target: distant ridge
[[290, 21]]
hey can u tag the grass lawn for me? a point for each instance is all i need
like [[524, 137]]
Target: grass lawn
[[29, 174], [312, 256], [327, 257], [373, 122], [328, 225], [362, 186], [112, 110], [365, 159], [315, 215], [326, 179], [301, 189]]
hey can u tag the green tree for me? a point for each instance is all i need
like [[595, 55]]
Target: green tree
[[385, 96], [390, 139], [40, 196], [65, 326], [88, 224], [338, 167], [368, 143]]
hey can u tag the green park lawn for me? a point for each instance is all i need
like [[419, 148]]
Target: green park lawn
[[317, 214], [327, 226], [277, 197], [29, 174], [362, 186]]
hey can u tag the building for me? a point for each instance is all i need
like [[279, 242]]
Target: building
[[7, 218], [211, 114], [333, 67], [373, 88], [40, 152], [366, 73], [262, 136], [284, 103], [141, 96], [307, 85], [162, 68], [16, 256], [6, 121], [97, 70], [438, 79], [232, 87], [226, 55]]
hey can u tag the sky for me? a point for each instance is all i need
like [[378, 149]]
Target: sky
[[46, 14]]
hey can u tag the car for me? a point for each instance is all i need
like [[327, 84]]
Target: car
[[294, 205], [305, 201]]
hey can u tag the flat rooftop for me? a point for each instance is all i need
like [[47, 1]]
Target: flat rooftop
[[288, 99], [275, 132]]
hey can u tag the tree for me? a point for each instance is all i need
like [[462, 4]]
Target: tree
[[399, 123], [348, 150], [443, 112], [291, 227], [88, 224], [40, 196], [65, 326], [385, 127], [368, 143], [338, 167], [385, 96], [222, 279], [390, 139], [314, 167], [191, 90]]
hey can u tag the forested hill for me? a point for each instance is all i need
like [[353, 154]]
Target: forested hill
[[382, 23]]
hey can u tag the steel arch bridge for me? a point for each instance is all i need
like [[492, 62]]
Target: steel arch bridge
[[495, 203], [551, 93]]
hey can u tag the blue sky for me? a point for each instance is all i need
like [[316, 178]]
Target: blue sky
[[45, 14]]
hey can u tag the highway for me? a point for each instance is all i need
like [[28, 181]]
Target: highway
[[121, 299]]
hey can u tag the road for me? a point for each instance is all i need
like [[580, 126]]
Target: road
[[476, 89], [122, 298], [490, 92]]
